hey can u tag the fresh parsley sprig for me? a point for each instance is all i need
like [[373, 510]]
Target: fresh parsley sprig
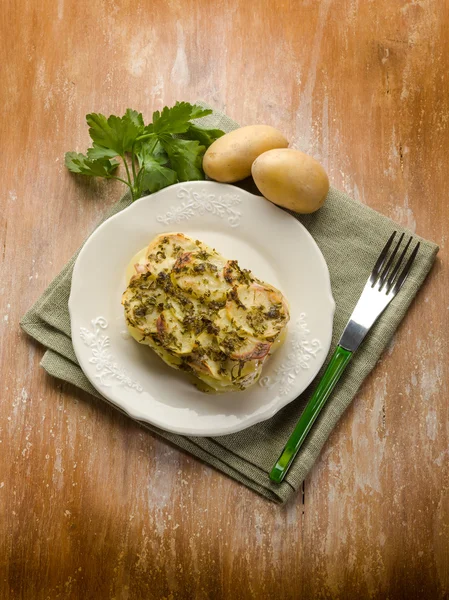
[[168, 150]]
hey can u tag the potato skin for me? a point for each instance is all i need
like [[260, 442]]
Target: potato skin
[[230, 157], [291, 179]]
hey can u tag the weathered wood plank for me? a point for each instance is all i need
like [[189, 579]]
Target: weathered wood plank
[[93, 506]]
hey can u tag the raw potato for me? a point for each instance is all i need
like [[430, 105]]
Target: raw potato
[[291, 179], [230, 157]]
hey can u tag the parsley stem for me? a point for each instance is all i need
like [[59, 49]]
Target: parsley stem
[[155, 141], [122, 180], [145, 137], [138, 179], [129, 178], [133, 163]]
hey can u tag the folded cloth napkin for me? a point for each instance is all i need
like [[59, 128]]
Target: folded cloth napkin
[[350, 236]]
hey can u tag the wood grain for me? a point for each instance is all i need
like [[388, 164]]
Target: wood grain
[[92, 506]]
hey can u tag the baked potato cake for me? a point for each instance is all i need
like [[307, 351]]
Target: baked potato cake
[[202, 313]]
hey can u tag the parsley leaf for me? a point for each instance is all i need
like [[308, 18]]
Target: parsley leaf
[[149, 150], [204, 136], [78, 163], [134, 117], [155, 155], [155, 173], [156, 176], [115, 133], [100, 152], [176, 119], [198, 111], [186, 157]]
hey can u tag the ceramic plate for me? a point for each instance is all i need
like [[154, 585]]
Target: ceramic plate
[[263, 238]]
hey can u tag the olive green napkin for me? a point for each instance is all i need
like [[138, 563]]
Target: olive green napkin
[[350, 236]]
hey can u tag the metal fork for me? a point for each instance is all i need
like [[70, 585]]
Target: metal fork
[[383, 284]]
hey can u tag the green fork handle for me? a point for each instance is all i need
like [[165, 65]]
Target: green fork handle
[[336, 366]]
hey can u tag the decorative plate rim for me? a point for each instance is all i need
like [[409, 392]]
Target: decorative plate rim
[[137, 414]]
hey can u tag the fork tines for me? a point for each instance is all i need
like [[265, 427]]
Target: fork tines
[[386, 272]]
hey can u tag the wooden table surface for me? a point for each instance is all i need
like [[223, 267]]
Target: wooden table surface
[[91, 505]]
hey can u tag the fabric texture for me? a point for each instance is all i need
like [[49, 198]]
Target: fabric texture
[[350, 236]]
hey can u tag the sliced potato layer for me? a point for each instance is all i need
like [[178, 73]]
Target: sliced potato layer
[[202, 313]]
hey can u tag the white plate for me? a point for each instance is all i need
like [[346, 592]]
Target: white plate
[[263, 238]]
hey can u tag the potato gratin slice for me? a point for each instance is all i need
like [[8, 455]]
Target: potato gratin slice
[[203, 314]]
